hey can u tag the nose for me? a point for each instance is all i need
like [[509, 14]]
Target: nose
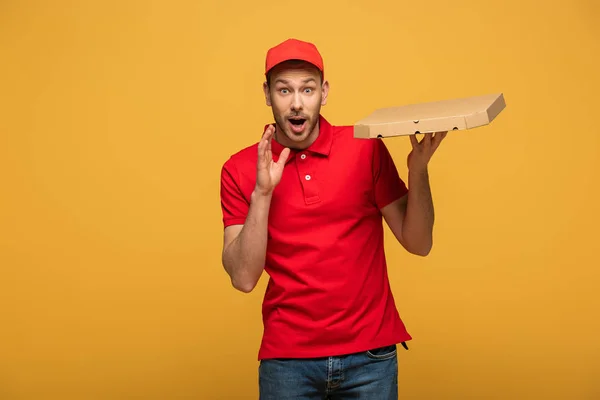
[[297, 102]]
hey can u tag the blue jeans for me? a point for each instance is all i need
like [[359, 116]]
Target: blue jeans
[[367, 375]]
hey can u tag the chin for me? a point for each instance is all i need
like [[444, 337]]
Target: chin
[[297, 134], [297, 137]]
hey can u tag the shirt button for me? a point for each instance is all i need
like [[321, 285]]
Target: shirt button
[[307, 177], [303, 156]]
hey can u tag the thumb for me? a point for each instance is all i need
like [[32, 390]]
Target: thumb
[[285, 153]]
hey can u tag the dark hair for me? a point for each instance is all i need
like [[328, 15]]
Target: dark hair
[[293, 62]]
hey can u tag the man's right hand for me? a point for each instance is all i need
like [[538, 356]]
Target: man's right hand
[[269, 172]]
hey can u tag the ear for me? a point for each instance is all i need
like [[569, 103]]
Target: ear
[[267, 94], [325, 90]]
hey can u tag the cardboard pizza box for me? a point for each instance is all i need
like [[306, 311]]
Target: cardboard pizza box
[[437, 116]]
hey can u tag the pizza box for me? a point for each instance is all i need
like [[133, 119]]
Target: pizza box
[[436, 116]]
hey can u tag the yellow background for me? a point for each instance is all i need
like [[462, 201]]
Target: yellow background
[[115, 119]]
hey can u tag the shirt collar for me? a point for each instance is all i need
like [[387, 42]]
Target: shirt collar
[[322, 145]]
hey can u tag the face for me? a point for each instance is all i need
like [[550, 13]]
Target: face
[[296, 95]]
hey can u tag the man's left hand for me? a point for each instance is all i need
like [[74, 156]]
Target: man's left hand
[[422, 151]]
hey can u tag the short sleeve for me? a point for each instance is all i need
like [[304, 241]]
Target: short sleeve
[[388, 184], [233, 203]]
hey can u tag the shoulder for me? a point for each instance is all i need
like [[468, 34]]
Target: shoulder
[[241, 159], [343, 137]]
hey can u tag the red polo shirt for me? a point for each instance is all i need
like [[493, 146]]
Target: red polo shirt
[[328, 292]]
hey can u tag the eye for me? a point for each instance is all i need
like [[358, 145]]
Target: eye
[[283, 91]]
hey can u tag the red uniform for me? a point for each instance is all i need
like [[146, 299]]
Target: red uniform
[[328, 292]]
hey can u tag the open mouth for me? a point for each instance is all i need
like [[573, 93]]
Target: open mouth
[[297, 121], [297, 124]]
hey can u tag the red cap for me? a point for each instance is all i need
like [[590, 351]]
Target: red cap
[[293, 49]]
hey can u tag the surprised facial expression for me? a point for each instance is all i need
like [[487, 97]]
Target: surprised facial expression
[[296, 94]]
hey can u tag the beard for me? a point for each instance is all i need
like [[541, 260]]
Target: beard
[[296, 127]]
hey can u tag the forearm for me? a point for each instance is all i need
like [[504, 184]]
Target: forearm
[[244, 257], [417, 229]]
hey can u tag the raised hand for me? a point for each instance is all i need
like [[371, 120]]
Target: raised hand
[[422, 151], [269, 172]]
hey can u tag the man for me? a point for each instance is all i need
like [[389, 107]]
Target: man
[[306, 205]]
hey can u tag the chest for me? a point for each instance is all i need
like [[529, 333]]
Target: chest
[[317, 189]]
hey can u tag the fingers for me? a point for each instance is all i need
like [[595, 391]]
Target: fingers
[[268, 134], [283, 156], [439, 136], [264, 146], [427, 140], [414, 141], [269, 137], [262, 161], [430, 139]]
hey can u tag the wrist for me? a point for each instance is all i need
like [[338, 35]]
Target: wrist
[[259, 194], [418, 171]]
